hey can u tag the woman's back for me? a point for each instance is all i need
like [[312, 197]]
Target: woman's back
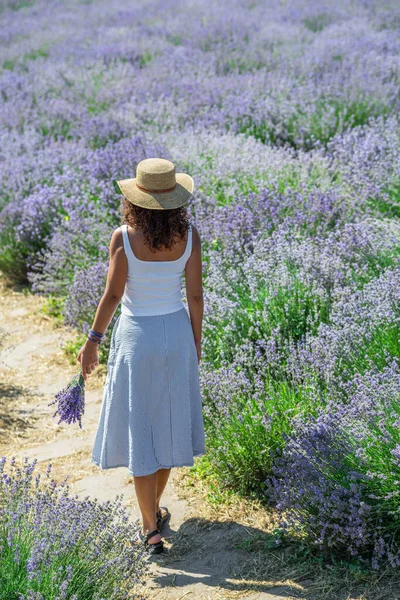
[[153, 287], [142, 251]]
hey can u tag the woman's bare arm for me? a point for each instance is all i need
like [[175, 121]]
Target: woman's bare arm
[[115, 285], [194, 287], [116, 279]]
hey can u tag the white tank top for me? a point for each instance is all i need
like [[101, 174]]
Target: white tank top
[[153, 287]]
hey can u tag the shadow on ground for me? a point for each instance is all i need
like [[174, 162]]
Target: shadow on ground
[[13, 416], [202, 556]]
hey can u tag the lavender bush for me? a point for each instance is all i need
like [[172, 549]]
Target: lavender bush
[[54, 545], [287, 286], [247, 415], [338, 475]]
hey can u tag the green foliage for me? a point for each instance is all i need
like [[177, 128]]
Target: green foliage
[[380, 440], [145, 58], [218, 188], [382, 342], [95, 107], [304, 129], [238, 65], [54, 307], [242, 443], [34, 54], [175, 39], [293, 307], [58, 128], [16, 251], [13, 255], [264, 541], [317, 23], [71, 349], [15, 4], [388, 202], [10, 64]]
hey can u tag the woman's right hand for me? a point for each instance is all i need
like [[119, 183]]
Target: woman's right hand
[[198, 350]]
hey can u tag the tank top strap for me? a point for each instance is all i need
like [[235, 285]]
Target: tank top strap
[[189, 242], [126, 239]]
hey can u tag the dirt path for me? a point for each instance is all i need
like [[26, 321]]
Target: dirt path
[[200, 560]]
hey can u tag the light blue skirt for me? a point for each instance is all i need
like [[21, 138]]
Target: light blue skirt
[[151, 414]]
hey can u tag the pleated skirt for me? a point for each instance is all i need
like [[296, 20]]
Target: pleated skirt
[[151, 414]]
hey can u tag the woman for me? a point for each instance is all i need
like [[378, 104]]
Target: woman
[[151, 415]]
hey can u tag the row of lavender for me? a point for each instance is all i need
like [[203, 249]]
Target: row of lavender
[[285, 113], [55, 546]]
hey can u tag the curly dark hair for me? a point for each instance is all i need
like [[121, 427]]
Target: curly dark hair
[[159, 227]]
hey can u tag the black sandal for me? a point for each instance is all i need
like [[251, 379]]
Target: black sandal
[[154, 548], [162, 520]]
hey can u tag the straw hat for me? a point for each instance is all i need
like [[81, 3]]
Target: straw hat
[[157, 186]]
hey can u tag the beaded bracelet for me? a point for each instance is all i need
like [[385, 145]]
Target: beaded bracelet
[[96, 333], [95, 336]]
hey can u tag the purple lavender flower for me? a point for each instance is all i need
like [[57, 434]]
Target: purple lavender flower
[[71, 401]]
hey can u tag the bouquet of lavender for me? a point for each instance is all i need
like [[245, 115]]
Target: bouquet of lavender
[[71, 401]]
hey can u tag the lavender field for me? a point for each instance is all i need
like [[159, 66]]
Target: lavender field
[[286, 114]]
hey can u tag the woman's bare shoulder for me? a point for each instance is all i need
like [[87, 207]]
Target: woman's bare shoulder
[[117, 240], [195, 235]]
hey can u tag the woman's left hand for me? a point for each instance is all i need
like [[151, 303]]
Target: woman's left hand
[[88, 357]]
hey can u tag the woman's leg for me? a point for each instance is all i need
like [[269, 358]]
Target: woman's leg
[[146, 493], [162, 478]]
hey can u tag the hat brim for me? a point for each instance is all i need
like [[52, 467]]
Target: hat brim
[[178, 197]]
